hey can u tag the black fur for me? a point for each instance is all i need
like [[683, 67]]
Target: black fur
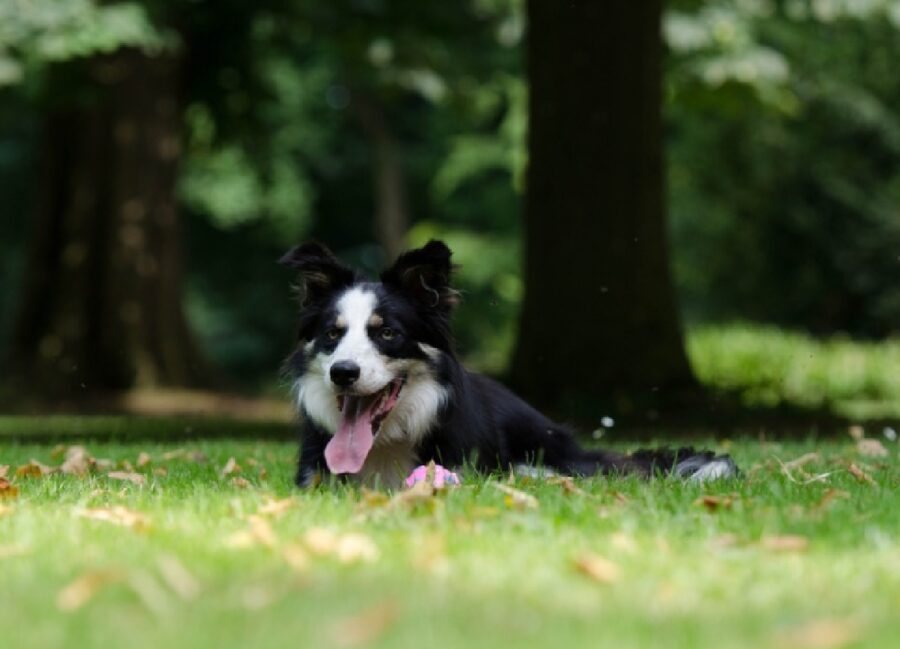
[[483, 422]]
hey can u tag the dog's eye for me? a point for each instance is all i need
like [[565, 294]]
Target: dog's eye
[[387, 333], [333, 333]]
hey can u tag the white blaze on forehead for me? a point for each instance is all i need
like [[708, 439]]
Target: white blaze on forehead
[[356, 309]]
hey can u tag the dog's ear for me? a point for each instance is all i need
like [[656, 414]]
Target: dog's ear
[[424, 274], [321, 273]]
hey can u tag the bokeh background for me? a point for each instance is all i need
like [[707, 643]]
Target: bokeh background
[[374, 124]]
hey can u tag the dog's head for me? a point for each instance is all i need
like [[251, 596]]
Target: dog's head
[[368, 350]]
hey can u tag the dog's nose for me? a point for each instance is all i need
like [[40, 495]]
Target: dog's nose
[[344, 373]]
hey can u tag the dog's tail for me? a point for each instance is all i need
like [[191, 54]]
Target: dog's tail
[[699, 466]]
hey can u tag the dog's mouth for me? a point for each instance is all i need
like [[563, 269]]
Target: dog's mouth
[[361, 419]]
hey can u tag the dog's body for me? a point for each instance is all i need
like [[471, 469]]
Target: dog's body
[[380, 390]]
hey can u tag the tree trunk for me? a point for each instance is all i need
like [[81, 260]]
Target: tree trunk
[[102, 305], [389, 181], [599, 326]]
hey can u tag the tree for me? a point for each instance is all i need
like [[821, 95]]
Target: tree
[[102, 304], [599, 321]]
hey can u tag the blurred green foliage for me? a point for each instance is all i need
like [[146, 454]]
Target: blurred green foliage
[[784, 153], [769, 366]]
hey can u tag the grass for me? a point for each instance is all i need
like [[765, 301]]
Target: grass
[[770, 560], [770, 366]]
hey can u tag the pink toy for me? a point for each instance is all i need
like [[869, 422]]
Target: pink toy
[[442, 477]]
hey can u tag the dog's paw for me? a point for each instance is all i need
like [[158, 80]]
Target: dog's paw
[[434, 474]]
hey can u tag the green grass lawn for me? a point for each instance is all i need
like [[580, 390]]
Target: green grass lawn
[[796, 556]]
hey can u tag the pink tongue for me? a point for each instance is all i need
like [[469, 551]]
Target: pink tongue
[[347, 450]]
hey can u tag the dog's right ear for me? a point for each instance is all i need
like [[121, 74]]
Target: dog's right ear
[[321, 273]]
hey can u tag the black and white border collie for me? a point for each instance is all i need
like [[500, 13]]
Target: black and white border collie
[[380, 390]]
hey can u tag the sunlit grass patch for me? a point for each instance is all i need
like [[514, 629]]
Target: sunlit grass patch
[[215, 548], [770, 366]]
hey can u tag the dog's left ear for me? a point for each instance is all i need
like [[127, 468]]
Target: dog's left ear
[[424, 273]]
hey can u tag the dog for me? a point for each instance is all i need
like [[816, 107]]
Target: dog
[[380, 390]]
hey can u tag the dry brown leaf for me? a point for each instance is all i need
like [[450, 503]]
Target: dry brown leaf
[[568, 486], [8, 489], [183, 454], [856, 432], [160, 471], [355, 547], [364, 628], [143, 460], [276, 507], [871, 448], [516, 498], [78, 461], [240, 483], [135, 478], [820, 634], [784, 543], [80, 591], [4, 470], [802, 461], [295, 556], [859, 474], [262, 531], [231, 466], [320, 541], [33, 469], [117, 515], [714, 503], [598, 568], [178, 578]]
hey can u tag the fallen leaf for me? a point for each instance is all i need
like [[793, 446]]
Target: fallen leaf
[[4, 469], [262, 531], [568, 486], [871, 448], [240, 483], [364, 628], [78, 461], [784, 543], [820, 634], [275, 507], [116, 515], [320, 541], [714, 503], [859, 474], [597, 568], [183, 454], [8, 489], [160, 471], [295, 556], [136, 478], [516, 498], [355, 547], [5, 509], [143, 460], [231, 466], [802, 461], [80, 591], [33, 469], [856, 432], [178, 578]]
